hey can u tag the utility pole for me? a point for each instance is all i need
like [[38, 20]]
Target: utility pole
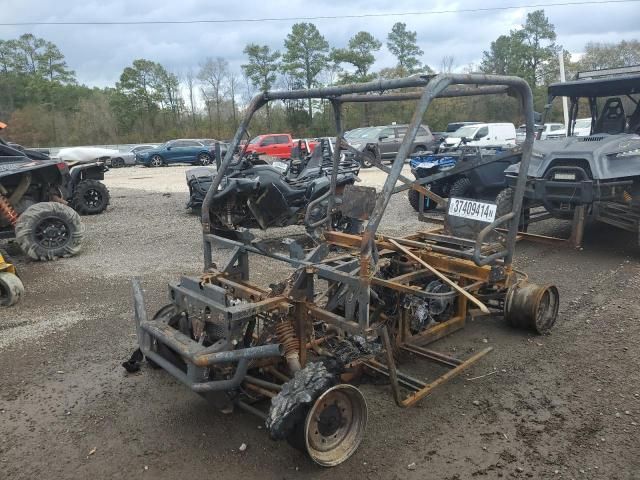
[[565, 108]]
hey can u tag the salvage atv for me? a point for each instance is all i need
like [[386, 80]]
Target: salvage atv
[[33, 207], [352, 307], [256, 194]]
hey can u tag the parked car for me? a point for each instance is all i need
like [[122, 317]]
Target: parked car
[[277, 145], [553, 131], [128, 158], [177, 151], [582, 127], [211, 143], [481, 135], [521, 132], [384, 141]]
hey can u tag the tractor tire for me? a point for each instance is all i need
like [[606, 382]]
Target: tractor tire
[[11, 289], [461, 188], [49, 230], [504, 205], [90, 197], [289, 408]]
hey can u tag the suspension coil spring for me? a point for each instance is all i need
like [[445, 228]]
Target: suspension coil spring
[[7, 211], [287, 337]]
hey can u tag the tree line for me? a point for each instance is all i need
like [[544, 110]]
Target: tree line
[[43, 103]]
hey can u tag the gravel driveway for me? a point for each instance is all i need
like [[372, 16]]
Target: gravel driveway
[[566, 405]]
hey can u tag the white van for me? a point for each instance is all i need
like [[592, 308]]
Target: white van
[[553, 131], [483, 135]]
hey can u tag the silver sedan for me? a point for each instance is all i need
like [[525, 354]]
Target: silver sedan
[[128, 157]]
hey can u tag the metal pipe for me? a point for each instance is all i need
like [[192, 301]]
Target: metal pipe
[[263, 383], [337, 113], [249, 409], [449, 93]]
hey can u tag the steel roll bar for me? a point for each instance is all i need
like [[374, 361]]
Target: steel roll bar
[[434, 86]]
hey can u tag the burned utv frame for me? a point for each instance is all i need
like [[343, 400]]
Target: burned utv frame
[[353, 301]]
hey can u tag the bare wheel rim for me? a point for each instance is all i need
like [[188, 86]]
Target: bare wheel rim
[[52, 232], [335, 425], [156, 161]]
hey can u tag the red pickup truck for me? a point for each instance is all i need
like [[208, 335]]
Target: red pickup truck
[[275, 145]]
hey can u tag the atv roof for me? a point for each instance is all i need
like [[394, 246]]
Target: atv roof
[[597, 87]]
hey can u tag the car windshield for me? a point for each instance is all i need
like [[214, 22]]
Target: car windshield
[[355, 133], [468, 132], [371, 133], [583, 123]]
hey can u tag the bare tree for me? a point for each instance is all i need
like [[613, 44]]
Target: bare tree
[[447, 63], [213, 73], [190, 81], [233, 83]]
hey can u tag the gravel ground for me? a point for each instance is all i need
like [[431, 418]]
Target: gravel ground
[[566, 405]]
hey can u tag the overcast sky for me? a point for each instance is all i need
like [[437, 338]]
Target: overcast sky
[[98, 54]]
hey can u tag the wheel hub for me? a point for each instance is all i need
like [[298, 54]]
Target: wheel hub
[[335, 425], [93, 198], [52, 233]]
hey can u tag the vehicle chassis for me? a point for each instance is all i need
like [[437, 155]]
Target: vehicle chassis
[[223, 306]]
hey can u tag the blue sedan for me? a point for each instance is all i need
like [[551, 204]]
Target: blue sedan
[[176, 151]]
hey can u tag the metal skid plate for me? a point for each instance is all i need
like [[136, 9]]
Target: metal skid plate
[[358, 202]]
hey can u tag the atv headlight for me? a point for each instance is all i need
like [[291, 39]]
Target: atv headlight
[[627, 153]]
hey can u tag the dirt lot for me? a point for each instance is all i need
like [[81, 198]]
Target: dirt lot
[[565, 405]]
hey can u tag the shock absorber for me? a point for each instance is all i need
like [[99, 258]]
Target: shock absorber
[[7, 211], [291, 343]]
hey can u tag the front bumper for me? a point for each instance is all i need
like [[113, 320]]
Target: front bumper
[[559, 196]]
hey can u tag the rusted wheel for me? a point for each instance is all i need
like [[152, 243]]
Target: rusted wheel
[[335, 425], [532, 306]]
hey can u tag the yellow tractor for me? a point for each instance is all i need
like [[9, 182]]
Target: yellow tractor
[[11, 287]]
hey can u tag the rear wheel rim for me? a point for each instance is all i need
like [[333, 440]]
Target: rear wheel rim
[[52, 233], [335, 425], [204, 160], [156, 161]]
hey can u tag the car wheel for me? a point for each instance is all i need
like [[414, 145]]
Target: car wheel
[[90, 197], [156, 161], [117, 163], [204, 159], [49, 230]]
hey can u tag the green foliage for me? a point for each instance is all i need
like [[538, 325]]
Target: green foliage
[[44, 106], [359, 54], [306, 55], [402, 44], [262, 66], [525, 52], [610, 55]]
